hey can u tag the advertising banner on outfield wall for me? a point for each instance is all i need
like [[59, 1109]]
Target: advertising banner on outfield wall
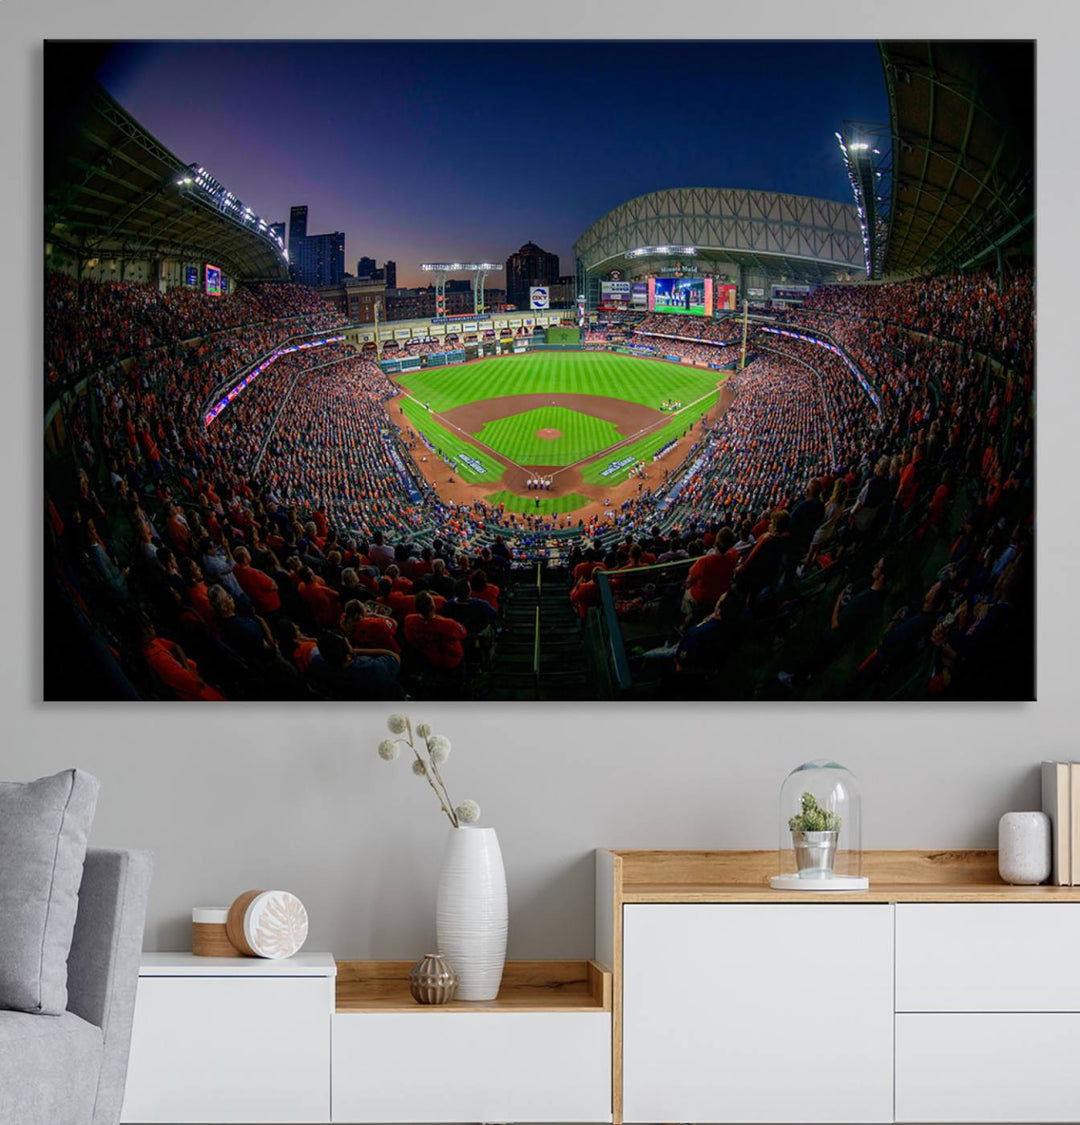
[[539, 297]]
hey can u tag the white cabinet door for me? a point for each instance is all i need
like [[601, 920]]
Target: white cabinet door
[[472, 1066], [988, 957], [230, 1049], [758, 1013], [987, 1066]]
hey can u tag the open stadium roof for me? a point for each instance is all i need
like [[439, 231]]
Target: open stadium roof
[[795, 236], [113, 191], [963, 151]]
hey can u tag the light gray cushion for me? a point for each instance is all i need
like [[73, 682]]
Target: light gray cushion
[[44, 826], [49, 1069]]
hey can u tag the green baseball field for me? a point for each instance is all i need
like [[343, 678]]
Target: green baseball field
[[569, 414]]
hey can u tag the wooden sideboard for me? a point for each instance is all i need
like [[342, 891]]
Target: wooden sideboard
[[541, 1051], [940, 994]]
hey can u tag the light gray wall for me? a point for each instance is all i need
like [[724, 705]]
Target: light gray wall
[[297, 798], [238, 797]]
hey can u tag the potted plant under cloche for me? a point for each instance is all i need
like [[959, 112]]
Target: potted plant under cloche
[[814, 835], [819, 830]]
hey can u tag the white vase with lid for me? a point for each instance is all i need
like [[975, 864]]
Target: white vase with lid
[[471, 911], [1024, 848]]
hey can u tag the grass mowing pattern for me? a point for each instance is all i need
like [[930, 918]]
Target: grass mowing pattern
[[648, 381], [644, 448], [515, 437], [450, 442], [549, 505]]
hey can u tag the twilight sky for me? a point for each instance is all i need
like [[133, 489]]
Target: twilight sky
[[421, 150]]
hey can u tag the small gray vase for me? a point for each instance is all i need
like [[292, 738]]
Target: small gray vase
[[433, 980]]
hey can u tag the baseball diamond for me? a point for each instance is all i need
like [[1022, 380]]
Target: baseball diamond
[[574, 411]]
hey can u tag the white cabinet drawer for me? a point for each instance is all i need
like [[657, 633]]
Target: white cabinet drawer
[[757, 1013], [988, 957], [472, 1066], [985, 1067], [230, 1049]]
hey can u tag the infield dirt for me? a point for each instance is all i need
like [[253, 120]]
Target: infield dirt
[[627, 417]]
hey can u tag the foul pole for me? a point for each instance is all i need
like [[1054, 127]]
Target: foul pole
[[745, 317], [378, 340]]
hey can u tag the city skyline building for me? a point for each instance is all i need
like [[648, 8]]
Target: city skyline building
[[298, 216], [317, 260], [527, 267]]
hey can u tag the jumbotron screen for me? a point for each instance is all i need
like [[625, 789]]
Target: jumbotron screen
[[688, 295]]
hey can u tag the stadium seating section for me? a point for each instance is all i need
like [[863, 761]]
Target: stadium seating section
[[812, 543]]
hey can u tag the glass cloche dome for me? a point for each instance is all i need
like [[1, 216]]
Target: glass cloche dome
[[820, 830]]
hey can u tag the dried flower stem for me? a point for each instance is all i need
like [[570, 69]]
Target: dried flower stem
[[434, 766], [444, 798]]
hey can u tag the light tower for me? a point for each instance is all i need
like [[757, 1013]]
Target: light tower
[[479, 270]]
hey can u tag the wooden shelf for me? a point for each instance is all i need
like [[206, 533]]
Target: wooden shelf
[[878, 892], [895, 876], [527, 986]]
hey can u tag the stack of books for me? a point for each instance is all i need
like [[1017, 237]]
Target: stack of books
[[1061, 803]]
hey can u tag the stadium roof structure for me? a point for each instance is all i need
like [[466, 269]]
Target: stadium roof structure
[[113, 191], [963, 151], [794, 236]]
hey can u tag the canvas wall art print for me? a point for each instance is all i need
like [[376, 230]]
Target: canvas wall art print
[[437, 393]]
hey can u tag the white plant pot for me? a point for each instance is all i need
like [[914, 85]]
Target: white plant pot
[[470, 913]]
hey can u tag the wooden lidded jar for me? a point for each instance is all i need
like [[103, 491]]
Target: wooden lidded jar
[[209, 937], [271, 924]]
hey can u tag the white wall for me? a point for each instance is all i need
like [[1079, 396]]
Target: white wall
[[294, 797]]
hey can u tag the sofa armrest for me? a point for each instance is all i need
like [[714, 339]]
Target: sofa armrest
[[103, 966]]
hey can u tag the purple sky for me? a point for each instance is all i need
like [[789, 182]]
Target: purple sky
[[421, 151]]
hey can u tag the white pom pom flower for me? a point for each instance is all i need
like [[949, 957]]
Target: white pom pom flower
[[439, 748], [419, 768], [397, 723], [388, 750], [468, 812], [423, 729]]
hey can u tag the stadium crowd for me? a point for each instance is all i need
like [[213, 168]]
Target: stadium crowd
[[89, 324], [289, 551], [871, 496], [724, 330]]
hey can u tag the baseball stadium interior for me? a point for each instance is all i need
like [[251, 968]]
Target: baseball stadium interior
[[757, 446]]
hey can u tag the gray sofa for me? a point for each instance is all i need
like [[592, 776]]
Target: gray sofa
[[70, 1069]]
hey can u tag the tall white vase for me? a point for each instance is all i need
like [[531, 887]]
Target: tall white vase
[[470, 913]]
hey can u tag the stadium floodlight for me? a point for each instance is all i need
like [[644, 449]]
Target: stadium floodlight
[[457, 267], [867, 182], [654, 251]]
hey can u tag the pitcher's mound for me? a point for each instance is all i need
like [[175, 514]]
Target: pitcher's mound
[[549, 433]]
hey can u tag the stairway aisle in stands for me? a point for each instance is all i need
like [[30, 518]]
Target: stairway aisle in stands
[[563, 672], [541, 652], [513, 670]]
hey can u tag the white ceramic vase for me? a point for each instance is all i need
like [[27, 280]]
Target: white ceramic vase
[[470, 913]]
